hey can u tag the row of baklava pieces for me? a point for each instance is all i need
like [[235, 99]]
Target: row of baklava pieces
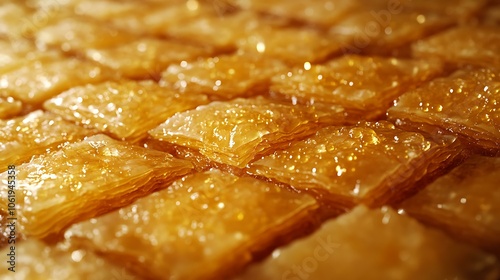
[[371, 139], [141, 58], [55, 72], [127, 110], [217, 221], [380, 145]]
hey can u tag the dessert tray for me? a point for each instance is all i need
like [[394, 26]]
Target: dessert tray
[[249, 139]]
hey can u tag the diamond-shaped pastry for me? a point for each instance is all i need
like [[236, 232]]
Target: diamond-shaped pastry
[[145, 58], [365, 86], [389, 245], [33, 134], [213, 220], [124, 109], [235, 132], [372, 163], [39, 78], [463, 44], [6, 230], [464, 202], [85, 179], [491, 16], [466, 103], [41, 262], [459, 9], [225, 76]]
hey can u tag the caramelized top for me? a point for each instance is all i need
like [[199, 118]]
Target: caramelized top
[[234, 132], [125, 109]]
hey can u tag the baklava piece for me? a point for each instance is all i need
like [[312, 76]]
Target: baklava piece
[[465, 203], [145, 58], [33, 134], [235, 132], [9, 107], [384, 32], [148, 17], [387, 244], [463, 45], [49, 5], [125, 15], [38, 261], [323, 13], [157, 18], [213, 220], [465, 103], [39, 78], [366, 86], [85, 179], [295, 46], [372, 163], [109, 10], [125, 109], [76, 35], [225, 76], [14, 51]]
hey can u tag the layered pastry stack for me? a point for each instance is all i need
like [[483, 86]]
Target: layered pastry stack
[[250, 139]]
